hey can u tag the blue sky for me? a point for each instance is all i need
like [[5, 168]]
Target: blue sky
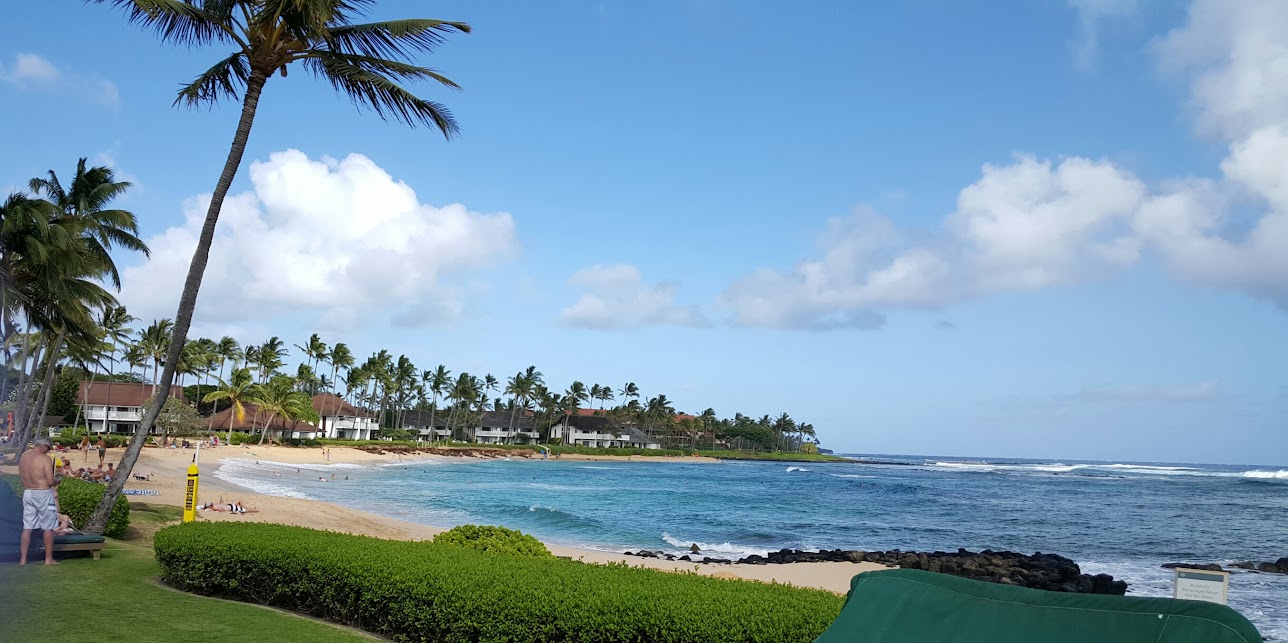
[[1041, 228]]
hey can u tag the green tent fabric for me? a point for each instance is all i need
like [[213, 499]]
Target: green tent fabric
[[912, 605]]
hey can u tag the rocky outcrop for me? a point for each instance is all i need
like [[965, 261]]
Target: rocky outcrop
[[1207, 567], [1278, 567], [1038, 571]]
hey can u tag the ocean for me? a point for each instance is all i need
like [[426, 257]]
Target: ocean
[[1124, 519]]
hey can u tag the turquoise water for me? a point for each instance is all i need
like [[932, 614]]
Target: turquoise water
[[1124, 519]]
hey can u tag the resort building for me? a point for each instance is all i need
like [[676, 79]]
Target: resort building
[[343, 421], [116, 407], [254, 420], [599, 431], [494, 427]]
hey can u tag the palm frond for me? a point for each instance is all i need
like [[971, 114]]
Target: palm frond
[[386, 67], [391, 38], [382, 95], [225, 78], [174, 20]]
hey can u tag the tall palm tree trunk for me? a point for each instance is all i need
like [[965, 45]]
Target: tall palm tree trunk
[[210, 426], [20, 392], [37, 414], [187, 302]]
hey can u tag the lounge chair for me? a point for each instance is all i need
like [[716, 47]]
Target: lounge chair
[[914, 605], [11, 531]]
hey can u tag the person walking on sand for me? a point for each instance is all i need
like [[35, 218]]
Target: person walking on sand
[[102, 451], [39, 505], [84, 447]]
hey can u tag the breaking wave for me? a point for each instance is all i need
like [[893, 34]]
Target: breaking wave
[[716, 550]]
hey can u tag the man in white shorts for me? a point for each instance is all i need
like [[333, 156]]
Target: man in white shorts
[[39, 506]]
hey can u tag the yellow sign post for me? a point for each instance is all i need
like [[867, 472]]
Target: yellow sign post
[[190, 494]]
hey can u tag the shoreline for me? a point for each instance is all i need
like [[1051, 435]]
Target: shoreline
[[168, 469]]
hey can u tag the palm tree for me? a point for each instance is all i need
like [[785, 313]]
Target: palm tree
[[340, 358], [279, 398], [272, 356], [240, 390], [85, 203], [314, 351], [577, 391], [437, 382], [362, 61], [629, 392], [605, 395], [226, 350], [153, 342]]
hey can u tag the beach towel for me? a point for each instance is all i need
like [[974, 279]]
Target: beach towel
[[140, 492], [914, 605]]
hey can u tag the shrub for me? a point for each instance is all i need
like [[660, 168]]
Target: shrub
[[493, 539], [245, 438], [432, 592], [71, 438], [78, 499]]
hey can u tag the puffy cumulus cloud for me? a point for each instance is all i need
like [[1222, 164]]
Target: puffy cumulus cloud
[[1030, 224], [34, 72], [617, 299], [340, 240], [1236, 60], [1034, 224]]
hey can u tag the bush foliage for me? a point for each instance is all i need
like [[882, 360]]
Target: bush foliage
[[432, 592], [78, 499], [493, 539]]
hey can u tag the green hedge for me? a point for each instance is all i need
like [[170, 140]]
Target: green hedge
[[431, 592], [78, 499], [493, 539]]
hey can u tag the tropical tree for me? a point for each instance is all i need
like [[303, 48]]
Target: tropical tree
[[239, 390], [340, 358], [314, 350], [280, 398], [227, 350], [579, 394], [362, 61], [605, 394], [629, 392], [437, 381]]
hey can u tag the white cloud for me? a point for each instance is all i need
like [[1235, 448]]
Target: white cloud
[[29, 70], [33, 72], [1035, 224], [1030, 224], [617, 299], [339, 240], [1091, 14]]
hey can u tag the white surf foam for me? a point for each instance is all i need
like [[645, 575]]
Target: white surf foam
[[848, 475], [791, 469], [1281, 474], [237, 472], [714, 550]]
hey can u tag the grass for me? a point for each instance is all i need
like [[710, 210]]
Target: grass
[[118, 599]]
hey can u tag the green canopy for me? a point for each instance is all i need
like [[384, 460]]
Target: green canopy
[[919, 606]]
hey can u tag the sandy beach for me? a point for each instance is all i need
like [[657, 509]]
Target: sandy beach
[[168, 468]]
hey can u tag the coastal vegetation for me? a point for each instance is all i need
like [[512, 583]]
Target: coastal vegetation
[[410, 591], [498, 540]]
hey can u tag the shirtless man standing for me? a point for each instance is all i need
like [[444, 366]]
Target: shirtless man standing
[[39, 510]]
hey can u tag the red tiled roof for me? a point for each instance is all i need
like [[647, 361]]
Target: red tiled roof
[[119, 393], [329, 404]]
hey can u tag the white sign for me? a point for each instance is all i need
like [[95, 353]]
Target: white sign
[[1202, 585]]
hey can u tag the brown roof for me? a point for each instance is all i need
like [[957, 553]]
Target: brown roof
[[119, 393], [255, 419], [329, 404]]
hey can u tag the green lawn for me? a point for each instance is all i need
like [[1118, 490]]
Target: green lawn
[[117, 599]]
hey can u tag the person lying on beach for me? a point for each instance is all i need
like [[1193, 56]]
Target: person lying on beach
[[224, 507]]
